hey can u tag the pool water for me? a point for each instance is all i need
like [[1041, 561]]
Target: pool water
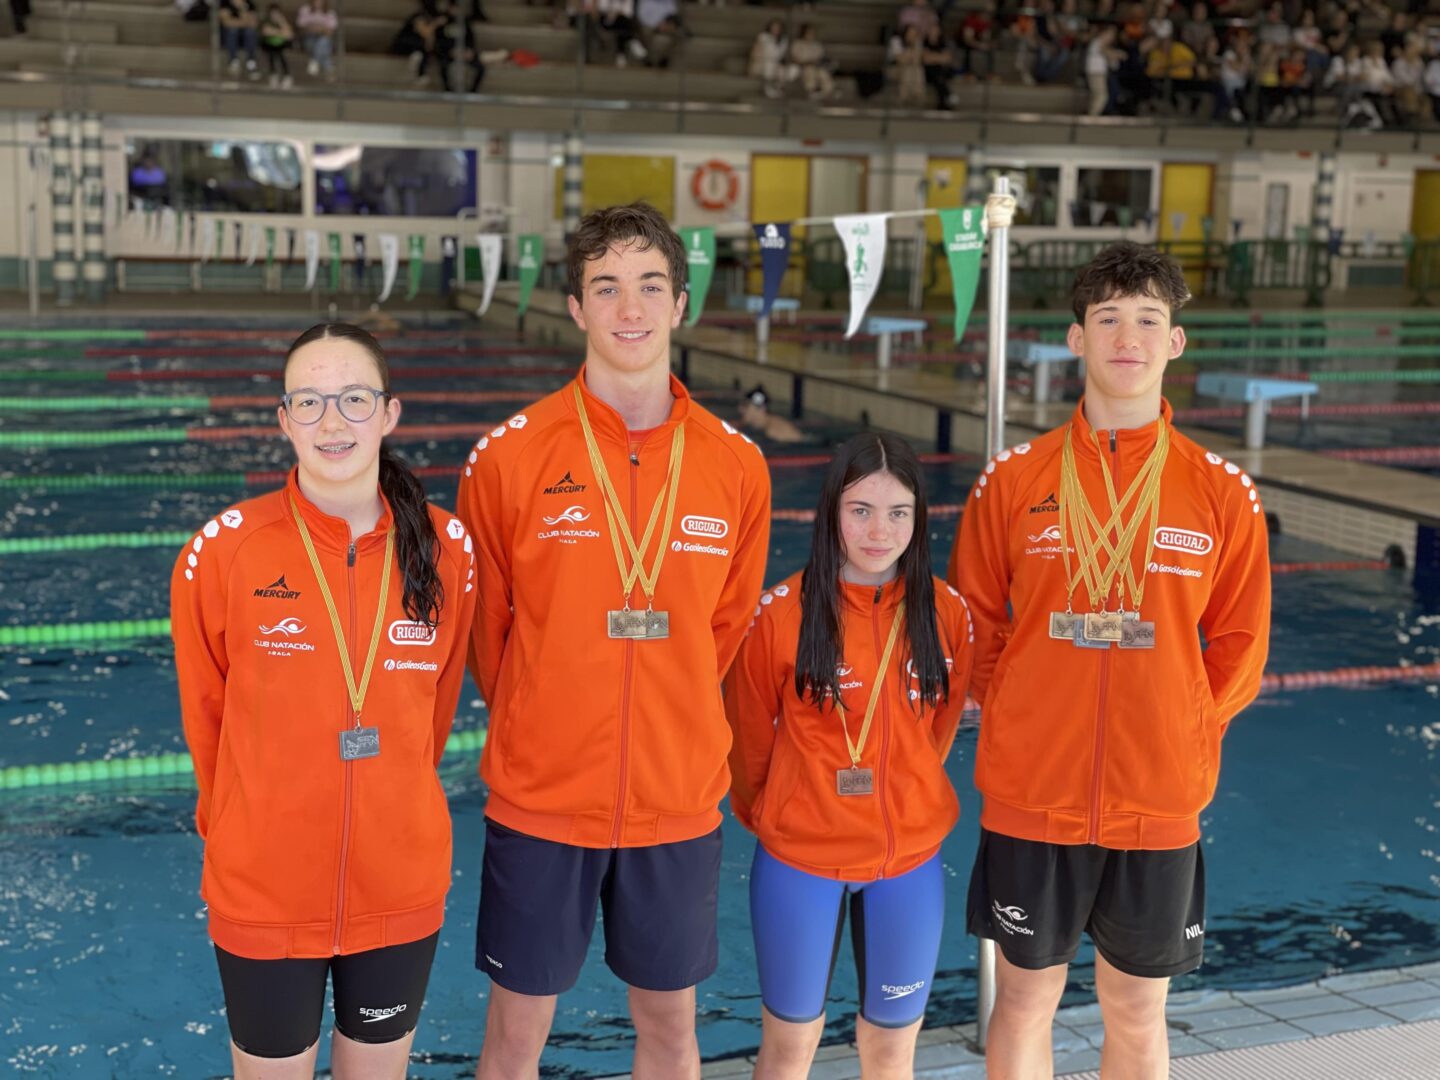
[[1322, 845]]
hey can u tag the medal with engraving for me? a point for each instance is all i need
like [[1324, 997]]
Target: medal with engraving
[[1062, 625], [356, 742], [627, 624], [1082, 642], [856, 780], [1136, 634], [1102, 625]]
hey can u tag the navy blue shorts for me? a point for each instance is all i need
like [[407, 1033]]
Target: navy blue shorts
[[537, 911], [895, 926]]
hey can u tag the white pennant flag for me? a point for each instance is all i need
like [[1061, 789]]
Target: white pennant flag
[[864, 238], [207, 239], [389, 263], [1097, 213], [169, 221], [312, 257], [491, 255], [252, 243], [1177, 223]]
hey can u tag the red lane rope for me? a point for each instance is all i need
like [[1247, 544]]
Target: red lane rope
[[1391, 455], [1348, 676], [109, 351], [1339, 564], [275, 375], [284, 332], [420, 397]]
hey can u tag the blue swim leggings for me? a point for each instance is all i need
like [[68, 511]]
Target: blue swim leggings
[[895, 929]]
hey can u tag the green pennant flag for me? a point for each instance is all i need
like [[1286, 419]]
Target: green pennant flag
[[415, 266], [219, 237], [699, 244], [334, 262], [531, 259], [269, 248], [962, 230]]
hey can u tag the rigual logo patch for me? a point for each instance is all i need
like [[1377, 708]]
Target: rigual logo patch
[[1187, 540], [708, 527], [409, 632]]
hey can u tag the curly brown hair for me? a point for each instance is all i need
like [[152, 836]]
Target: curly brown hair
[[1128, 269], [639, 222]]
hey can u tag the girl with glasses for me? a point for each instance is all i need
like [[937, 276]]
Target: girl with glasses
[[320, 645]]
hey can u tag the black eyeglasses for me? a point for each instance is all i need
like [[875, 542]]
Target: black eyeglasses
[[356, 404]]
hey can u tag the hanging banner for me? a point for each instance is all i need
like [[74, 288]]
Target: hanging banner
[[239, 235], [415, 266], [194, 231], [448, 249], [963, 230], [1097, 213], [864, 238], [334, 239], [269, 248], [700, 256], [1178, 218], [532, 256], [208, 233], [774, 240], [358, 247], [252, 243], [150, 222], [389, 264], [491, 247], [169, 227], [289, 245], [117, 207], [219, 238], [312, 257]]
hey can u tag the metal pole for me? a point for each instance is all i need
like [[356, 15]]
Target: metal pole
[[997, 316]]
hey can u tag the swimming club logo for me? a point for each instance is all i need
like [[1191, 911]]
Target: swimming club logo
[[277, 590], [844, 672], [1186, 540], [411, 632], [1046, 542], [566, 485], [709, 527], [1010, 917], [284, 638], [574, 515], [1052, 533], [291, 627], [772, 238]]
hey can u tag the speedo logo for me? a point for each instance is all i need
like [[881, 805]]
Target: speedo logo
[[573, 514], [698, 549], [411, 665], [895, 993], [278, 590], [1194, 543], [1178, 571], [695, 525], [566, 485], [1047, 505], [406, 632], [371, 1015], [1010, 918]]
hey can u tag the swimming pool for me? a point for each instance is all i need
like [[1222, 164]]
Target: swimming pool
[[1323, 841]]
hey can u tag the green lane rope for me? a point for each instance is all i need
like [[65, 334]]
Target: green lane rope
[[91, 633], [54, 774], [92, 438], [73, 334], [1418, 375], [89, 402], [144, 481], [92, 541]]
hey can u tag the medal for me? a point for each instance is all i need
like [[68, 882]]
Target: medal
[[1062, 625], [1137, 635], [855, 780], [357, 742], [625, 624], [1102, 626], [1082, 642]]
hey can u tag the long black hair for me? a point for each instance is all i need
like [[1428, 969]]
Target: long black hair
[[417, 548], [821, 630]]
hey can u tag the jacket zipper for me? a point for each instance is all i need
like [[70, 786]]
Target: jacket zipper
[[1094, 837], [884, 734], [625, 685], [349, 769]]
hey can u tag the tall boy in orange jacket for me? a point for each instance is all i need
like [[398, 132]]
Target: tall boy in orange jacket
[[620, 534], [1094, 558]]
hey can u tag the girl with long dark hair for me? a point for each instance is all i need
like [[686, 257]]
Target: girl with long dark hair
[[844, 702], [320, 636]]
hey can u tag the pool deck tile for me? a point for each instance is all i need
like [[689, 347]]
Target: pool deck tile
[[1252, 1035], [1354, 1020], [1185, 1045], [1394, 993], [1411, 1011], [1219, 1020], [1363, 980], [1320, 1003]]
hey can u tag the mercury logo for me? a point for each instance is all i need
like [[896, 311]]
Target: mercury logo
[[714, 528], [407, 632], [1196, 543], [573, 514]]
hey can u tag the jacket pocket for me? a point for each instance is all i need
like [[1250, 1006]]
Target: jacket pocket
[[1207, 736]]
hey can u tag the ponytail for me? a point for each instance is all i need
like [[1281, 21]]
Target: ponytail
[[417, 548]]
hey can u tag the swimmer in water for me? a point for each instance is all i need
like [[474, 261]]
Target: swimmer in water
[[755, 414]]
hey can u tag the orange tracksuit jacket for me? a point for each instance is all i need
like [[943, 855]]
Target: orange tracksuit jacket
[[307, 855], [1115, 747], [593, 741], [787, 751]]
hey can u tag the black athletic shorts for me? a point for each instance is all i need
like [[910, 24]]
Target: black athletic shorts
[[1144, 910], [275, 1006], [537, 911]]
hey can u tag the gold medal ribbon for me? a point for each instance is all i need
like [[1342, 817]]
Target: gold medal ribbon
[[620, 523], [857, 749], [357, 694], [1078, 522]]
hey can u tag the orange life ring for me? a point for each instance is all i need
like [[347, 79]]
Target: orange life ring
[[698, 185]]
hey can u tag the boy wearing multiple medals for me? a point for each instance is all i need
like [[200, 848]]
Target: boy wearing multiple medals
[[600, 656], [1119, 578]]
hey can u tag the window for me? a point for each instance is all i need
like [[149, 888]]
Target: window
[[1111, 197], [1036, 190], [393, 181], [240, 176]]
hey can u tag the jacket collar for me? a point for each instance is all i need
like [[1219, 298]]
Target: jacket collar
[[608, 424], [861, 598], [332, 533], [1128, 441]]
